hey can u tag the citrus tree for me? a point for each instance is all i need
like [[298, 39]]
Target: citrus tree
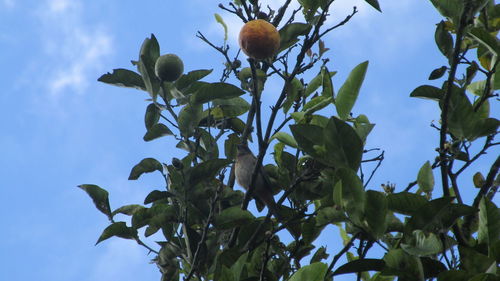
[[315, 160]]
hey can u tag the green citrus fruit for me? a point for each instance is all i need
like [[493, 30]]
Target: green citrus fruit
[[259, 39], [169, 67]]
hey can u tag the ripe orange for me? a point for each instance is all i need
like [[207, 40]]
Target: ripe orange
[[259, 39], [169, 67]]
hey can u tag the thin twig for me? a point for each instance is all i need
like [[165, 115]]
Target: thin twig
[[341, 253], [145, 246], [206, 228], [380, 159], [266, 258]]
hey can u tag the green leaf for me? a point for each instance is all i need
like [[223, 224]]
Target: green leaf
[[484, 277], [189, 118], [405, 203], [187, 79], [285, 138], [229, 108], [451, 9], [454, 275], [207, 170], [314, 84], [127, 209], [307, 136], [406, 267], [219, 19], [489, 224], [123, 78], [156, 195], [353, 196], [230, 145], [99, 196], [147, 165], [233, 217], [443, 39], [319, 255], [316, 103], [477, 88], [438, 73], [310, 231], [374, 4], [294, 91], [118, 229], [150, 51], [432, 267], [218, 90], [330, 215], [437, 215], [349, 91], [313, 272], [343, 145], [430, 216], [290, 32], [486, 39], [475, 262], [427, 92], [363, 127], [140, 218], [327, 82], [425, 178], [360, 266], [376, 208], [422, 244], [152, 115], [157, 131]]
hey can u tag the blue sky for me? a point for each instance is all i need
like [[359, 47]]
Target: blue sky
[[62, 128]]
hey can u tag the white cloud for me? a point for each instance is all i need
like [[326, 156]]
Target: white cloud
[[73, 47]]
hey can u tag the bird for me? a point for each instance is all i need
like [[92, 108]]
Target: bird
[[244, 166]]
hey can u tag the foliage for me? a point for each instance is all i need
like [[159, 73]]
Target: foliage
[[208, 233]]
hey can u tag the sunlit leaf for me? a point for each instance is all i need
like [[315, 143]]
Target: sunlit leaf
[[219, 19], [486, 39], [425, 178], [489, 223], [285, 138], [423, 244], [349, 91], [312, 272]]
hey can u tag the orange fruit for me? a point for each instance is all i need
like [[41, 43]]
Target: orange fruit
[[169, 67], [259, 39]]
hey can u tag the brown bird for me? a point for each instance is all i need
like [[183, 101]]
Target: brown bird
[[245, 163]]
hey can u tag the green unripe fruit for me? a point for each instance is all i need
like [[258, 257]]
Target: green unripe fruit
[[169, 67]]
